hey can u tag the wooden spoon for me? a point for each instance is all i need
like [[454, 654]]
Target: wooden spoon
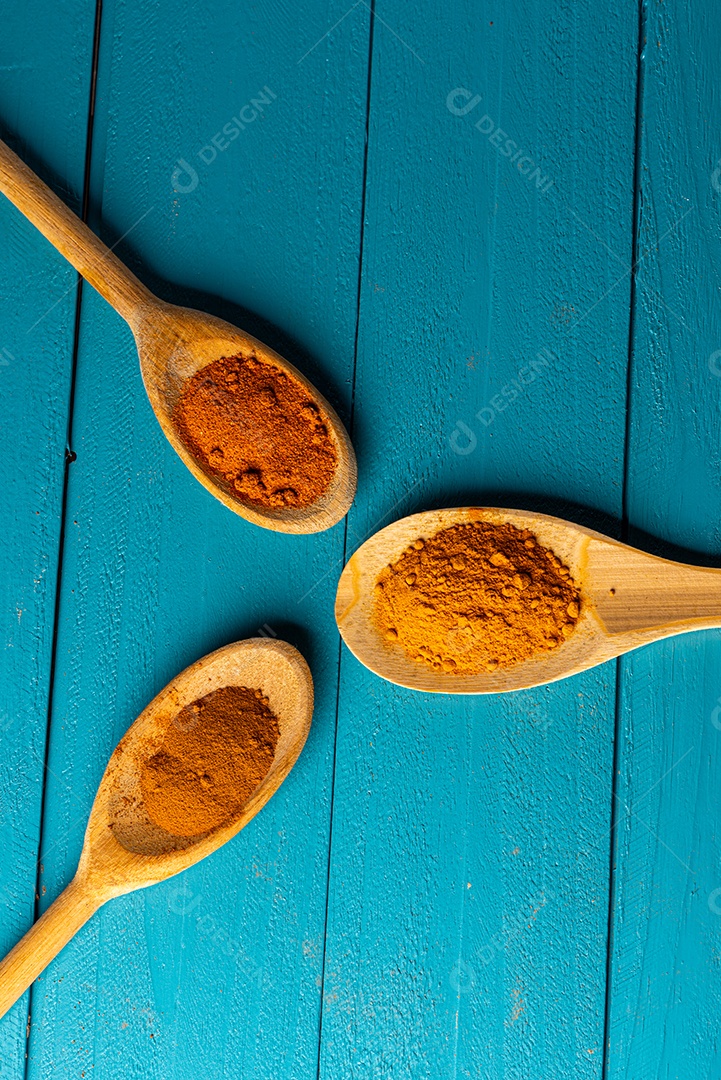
[[123, 849], [174, 343], [629, 598]]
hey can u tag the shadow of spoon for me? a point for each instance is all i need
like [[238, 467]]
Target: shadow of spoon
[[173, 344], [628, 598], [123, 848]]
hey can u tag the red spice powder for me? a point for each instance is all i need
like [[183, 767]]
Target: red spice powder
[[258, 431]]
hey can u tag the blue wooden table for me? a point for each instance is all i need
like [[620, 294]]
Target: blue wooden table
[[413, 203]]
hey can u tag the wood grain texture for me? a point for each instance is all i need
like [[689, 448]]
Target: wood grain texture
[[628, 598], [464, 843], [470, 847], [124, 848], [665, 992], [174, 344], [38, 48], [220, 966]]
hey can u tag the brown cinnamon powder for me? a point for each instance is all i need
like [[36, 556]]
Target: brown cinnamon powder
[[214, 754], [258, 431]]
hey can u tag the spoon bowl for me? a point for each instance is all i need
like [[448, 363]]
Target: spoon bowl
[[123, 849], [174, 343], [628, 599]]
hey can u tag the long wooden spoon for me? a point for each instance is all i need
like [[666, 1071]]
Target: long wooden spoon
[[173, 343], [123, 849], [629, 598]]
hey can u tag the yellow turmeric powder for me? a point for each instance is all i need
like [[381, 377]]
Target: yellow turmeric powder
[[475, 597]]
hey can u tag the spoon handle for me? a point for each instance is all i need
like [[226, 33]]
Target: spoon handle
[[72, 237], [44, 940]]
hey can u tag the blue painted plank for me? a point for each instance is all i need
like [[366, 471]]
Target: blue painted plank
[[40, 48], [469, 870], [216, 973], [667, 929], [468, 898]]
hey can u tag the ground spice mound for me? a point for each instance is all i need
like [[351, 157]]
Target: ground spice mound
[[476, 597], [215, 752], [258, 431]]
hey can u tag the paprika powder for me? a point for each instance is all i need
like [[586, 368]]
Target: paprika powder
[[258, 431]]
